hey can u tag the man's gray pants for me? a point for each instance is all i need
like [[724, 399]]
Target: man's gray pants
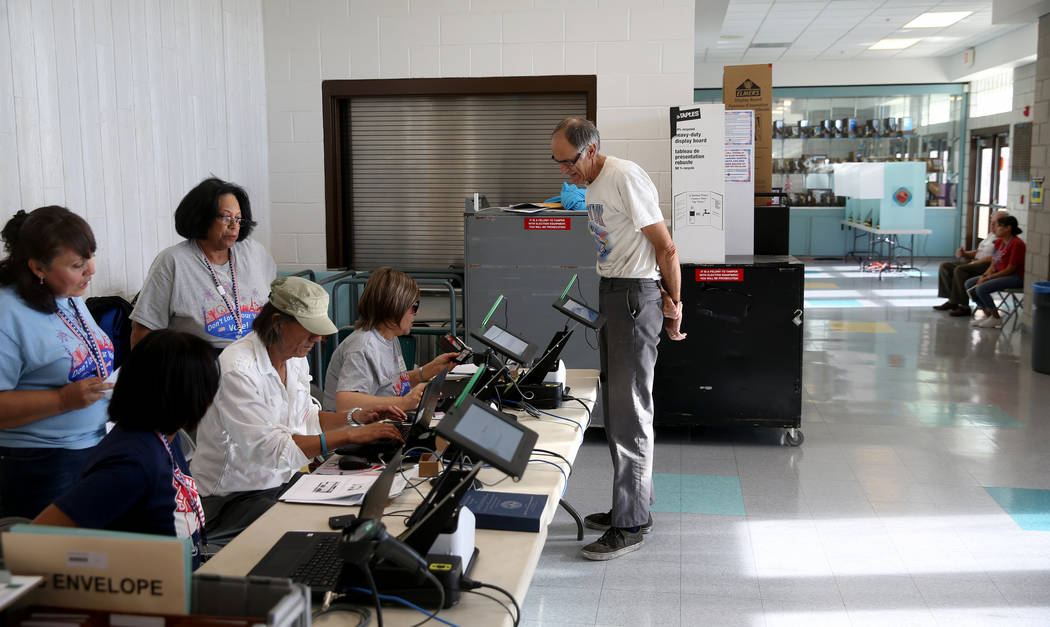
[[634, 317]]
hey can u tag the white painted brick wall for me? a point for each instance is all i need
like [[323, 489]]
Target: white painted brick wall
[[641, 51], [116, 108]]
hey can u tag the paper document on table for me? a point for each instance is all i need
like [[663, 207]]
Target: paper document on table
[[336, 489], [461, 371], [532, 207]]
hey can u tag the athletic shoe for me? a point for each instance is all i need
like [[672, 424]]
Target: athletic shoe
[[613, 543], [991, 322], [603, 520], [959, 312], [976, 322], [945, 306]]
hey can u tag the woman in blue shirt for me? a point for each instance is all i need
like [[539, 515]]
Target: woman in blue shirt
[[138, 479], [54, 359]]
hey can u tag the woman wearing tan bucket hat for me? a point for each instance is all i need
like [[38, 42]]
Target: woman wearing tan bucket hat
[[264, 425]]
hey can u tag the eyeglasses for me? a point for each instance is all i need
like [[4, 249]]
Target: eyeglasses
[[415, 307], [229, 221], [569, 162]]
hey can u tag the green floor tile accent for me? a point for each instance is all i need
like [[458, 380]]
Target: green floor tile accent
[[1029, 508], [698, 494], [962, 415]]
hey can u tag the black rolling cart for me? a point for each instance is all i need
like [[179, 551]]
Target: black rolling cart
[[741, 364]]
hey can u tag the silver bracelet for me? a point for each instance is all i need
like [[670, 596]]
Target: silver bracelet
[[350, 417]]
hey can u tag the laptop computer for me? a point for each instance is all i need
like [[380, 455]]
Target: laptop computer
[[313, 557], [412, 430]]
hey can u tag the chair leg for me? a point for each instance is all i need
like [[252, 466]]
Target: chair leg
[[575, 516]]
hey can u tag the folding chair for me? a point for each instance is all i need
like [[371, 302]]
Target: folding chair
[[1011, 302]]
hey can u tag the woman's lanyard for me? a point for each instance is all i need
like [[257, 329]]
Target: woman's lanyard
[[234, 308], [194, 496], [87, 336]]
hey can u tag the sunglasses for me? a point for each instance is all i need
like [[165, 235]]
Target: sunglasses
[[415, 307]]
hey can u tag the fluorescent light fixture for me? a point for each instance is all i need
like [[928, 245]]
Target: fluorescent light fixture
[[937, 19], [893, 44]]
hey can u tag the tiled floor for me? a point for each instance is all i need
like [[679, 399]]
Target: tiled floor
[[920, 495]]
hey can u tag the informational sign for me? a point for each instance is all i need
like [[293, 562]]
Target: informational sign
[[719, 274], [698, 182], [1035, 195], [102, 570], [547, 224], [740, 182]]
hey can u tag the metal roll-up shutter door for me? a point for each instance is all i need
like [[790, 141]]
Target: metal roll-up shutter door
[[412, 160]]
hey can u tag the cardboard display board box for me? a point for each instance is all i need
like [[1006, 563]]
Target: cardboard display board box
[[751, 87]]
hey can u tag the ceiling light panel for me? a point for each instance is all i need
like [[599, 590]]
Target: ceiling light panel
[[893, 43], [937, 19]]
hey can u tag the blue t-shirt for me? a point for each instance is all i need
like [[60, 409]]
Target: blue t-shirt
[[128, 485], [38, 351]]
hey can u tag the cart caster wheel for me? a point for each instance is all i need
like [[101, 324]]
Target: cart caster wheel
[[792, 437]]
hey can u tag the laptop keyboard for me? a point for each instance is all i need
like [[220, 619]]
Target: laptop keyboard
[[323, 569]]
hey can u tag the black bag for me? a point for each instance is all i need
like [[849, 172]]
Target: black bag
[[113, 315]]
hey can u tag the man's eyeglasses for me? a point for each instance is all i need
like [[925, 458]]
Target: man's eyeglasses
[[230, 221], [569, 162], [415, 307]]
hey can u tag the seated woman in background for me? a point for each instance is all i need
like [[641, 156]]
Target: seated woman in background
[[1005, 272], [213, 284], [368, 368], [264, 426], [137, 479], [54, 359]]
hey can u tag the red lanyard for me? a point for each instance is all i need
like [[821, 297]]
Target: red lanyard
[[235, 307], [194, 496], [87, 336]]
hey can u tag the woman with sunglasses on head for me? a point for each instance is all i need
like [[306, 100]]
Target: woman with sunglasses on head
[[368, 368], [213, 284], [54, 359]]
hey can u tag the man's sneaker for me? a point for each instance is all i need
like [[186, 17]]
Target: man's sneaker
[[603, 520], [613, 543]]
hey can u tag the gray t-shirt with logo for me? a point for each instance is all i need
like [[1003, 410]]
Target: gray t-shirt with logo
[[179, 292], [368, 363]]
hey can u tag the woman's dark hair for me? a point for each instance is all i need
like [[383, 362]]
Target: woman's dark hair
[[1011, 222], [268, 326], [199, 208], [41, 235], [388, 294], [167, 383]]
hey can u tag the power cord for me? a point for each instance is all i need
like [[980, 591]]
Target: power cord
[[410, 605], [543, 451], [581, 402], [465, 583]]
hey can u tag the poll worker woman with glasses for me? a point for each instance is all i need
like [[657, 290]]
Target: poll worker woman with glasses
[[368, 368], [54, 359], [214, 283]]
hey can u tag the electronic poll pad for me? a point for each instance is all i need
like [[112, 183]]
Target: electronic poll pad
[[577, 310]]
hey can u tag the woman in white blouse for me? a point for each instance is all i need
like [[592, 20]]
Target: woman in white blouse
[[264, 425]]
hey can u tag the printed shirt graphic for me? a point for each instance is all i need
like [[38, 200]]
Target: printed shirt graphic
[[179, 292], [39, 352], [1012, 252], [621, 201]]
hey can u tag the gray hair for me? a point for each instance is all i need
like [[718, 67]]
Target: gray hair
[[580, 132]]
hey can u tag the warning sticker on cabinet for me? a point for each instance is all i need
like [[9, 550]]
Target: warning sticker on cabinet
[[719, 274], [547, 224]]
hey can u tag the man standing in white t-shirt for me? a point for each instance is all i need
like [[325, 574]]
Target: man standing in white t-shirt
[[635, 251]]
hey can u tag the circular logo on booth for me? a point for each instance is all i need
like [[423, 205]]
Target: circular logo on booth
[[902, 196]]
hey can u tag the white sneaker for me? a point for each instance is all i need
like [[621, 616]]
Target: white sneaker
[[976, 322], [991, 322]]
